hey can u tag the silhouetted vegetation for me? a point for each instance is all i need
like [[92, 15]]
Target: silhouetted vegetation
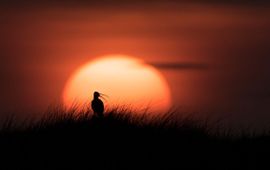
[[122, 140]]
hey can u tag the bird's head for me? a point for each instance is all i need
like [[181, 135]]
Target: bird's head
[[96, 94]]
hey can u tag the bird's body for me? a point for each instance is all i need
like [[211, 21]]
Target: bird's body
[[97, 105]]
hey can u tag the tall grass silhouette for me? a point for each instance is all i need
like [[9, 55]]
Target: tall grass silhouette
[[76, 139]]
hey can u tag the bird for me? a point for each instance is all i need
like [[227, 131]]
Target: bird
[[97, 105]]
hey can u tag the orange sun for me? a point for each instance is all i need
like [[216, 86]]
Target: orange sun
[[127, 81]]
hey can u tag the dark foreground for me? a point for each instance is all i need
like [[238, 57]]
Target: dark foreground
[[121, 142]]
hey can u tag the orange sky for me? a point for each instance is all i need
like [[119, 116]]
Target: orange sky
[[42, 45]]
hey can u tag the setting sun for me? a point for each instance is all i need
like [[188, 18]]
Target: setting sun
[[126, 81]]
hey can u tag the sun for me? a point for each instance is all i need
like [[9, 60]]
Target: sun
[[124, 79]]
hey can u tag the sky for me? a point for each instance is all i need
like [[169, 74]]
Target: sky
[[213, 54]]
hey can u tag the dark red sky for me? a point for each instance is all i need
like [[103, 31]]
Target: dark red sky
[[43, 43]]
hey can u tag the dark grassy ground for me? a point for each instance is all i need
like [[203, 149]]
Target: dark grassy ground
[[62, 140]]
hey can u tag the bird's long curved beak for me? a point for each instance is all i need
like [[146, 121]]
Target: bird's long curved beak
[[104, 96]]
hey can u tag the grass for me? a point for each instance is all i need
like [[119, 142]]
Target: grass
[[123, 140]]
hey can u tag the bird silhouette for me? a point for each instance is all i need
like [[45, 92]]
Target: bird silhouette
[[97, 105]]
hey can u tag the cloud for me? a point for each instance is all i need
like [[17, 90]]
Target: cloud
[[180, 66]]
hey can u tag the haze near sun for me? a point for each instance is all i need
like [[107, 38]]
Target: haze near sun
[[126, 80]]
